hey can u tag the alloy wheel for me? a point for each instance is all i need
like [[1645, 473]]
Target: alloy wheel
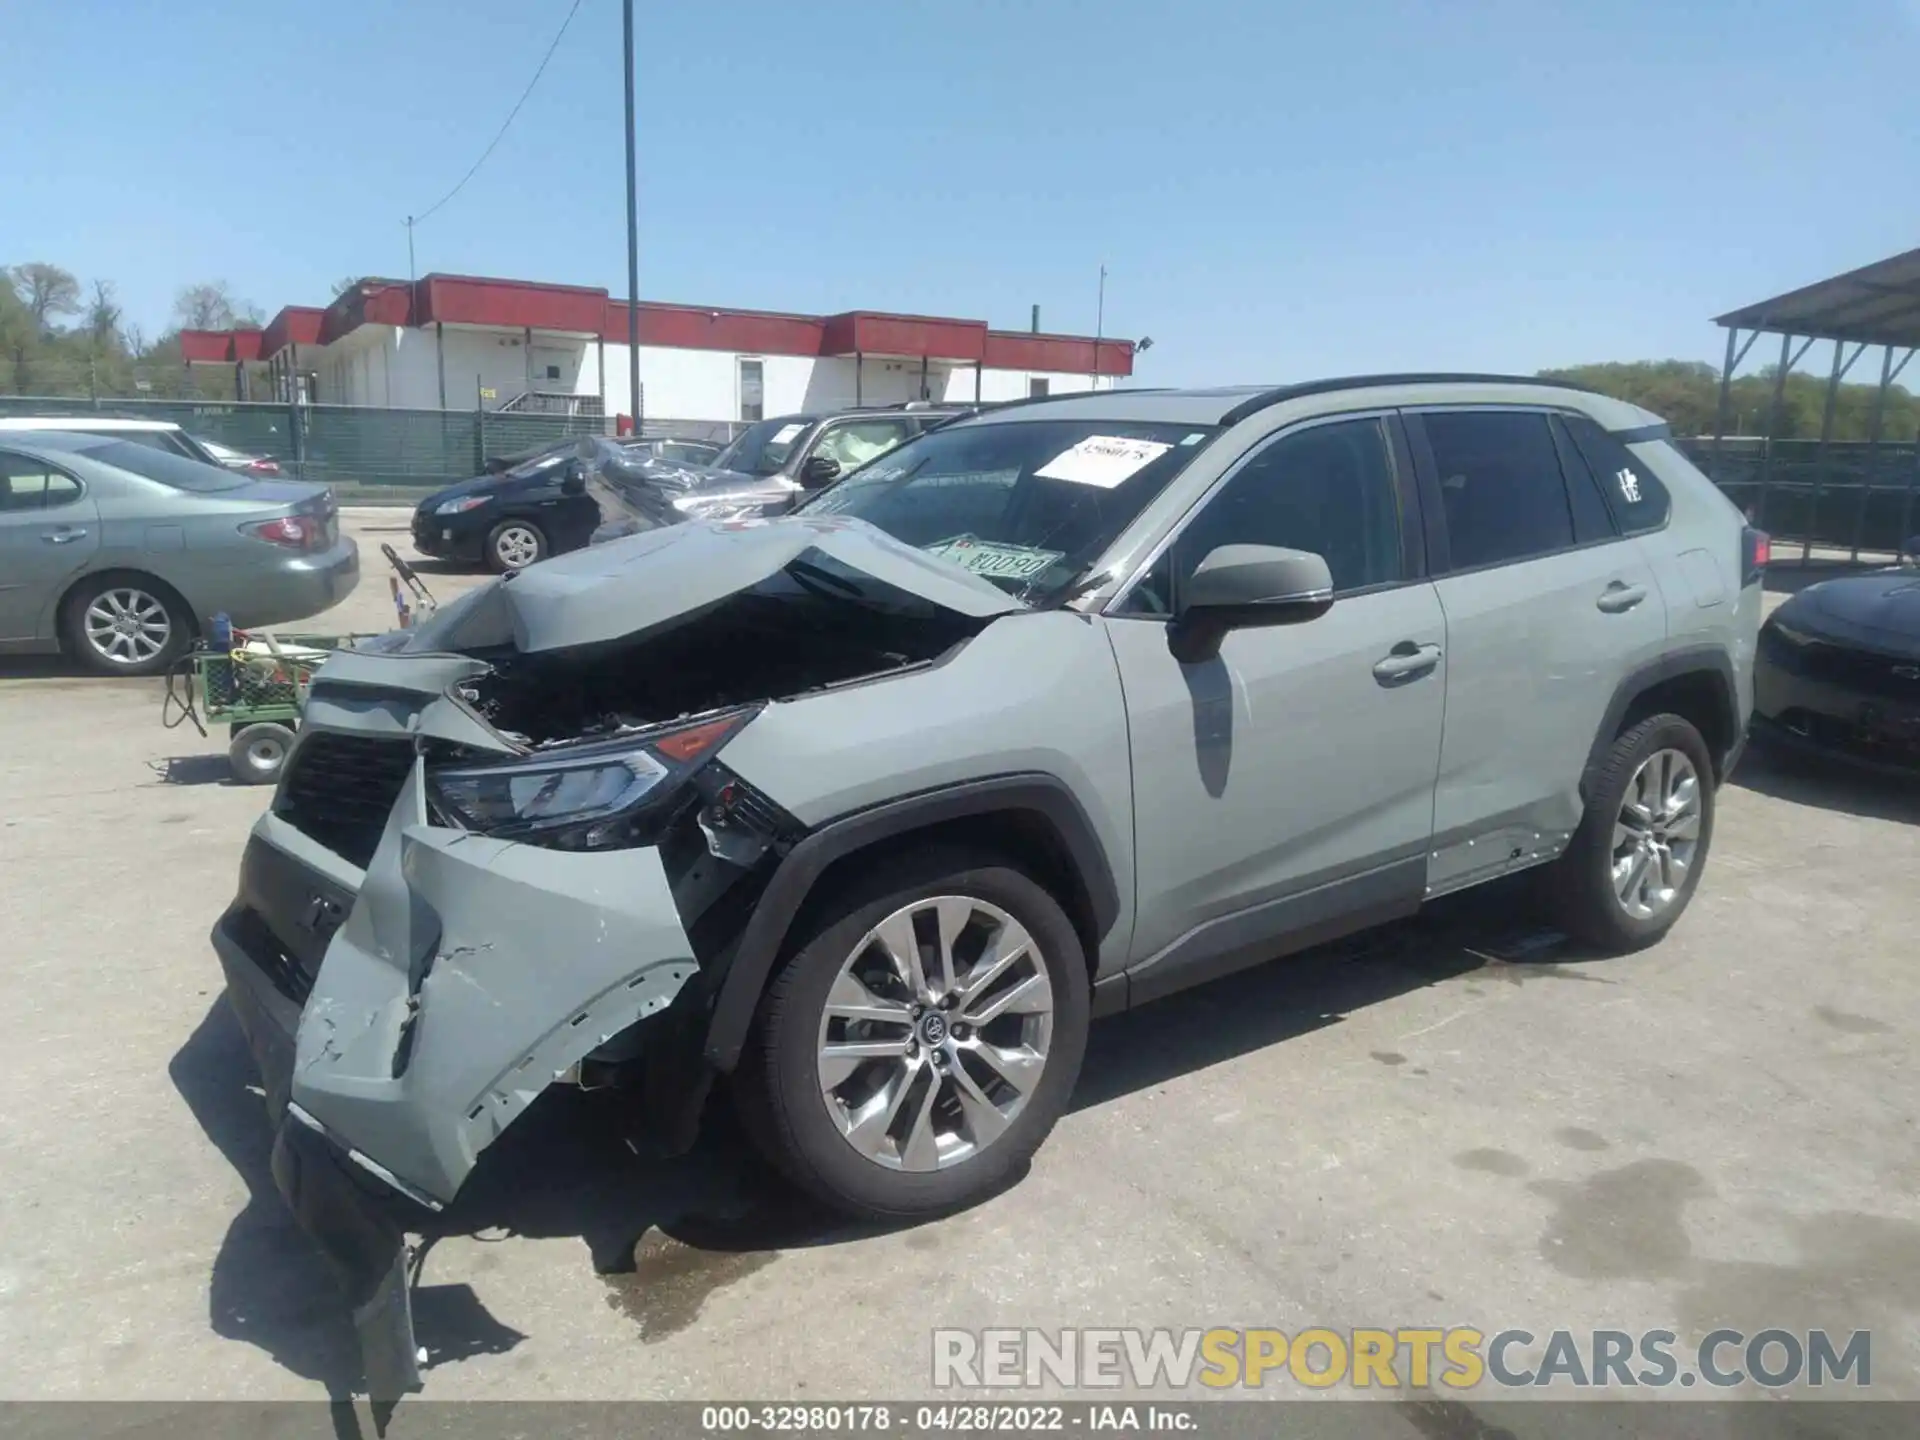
[[517, 547], [127, 626], [935, 1033], [1656, 834]]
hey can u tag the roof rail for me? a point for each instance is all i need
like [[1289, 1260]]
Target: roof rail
[[996, 405], [1268, 398]]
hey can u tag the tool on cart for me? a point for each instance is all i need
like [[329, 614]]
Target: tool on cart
[[414, 599], [255, 682]]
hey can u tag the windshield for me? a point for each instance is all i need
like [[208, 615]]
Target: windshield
[[763, 448], [1028, 505], [541, 463], [169, 469]]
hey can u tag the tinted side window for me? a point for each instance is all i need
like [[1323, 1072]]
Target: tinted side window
[[1500, 485], [1328, 489], [1638, 499], [1591, 519], [27, 484]]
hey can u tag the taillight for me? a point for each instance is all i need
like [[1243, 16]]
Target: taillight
[[1756, 550], [263, 467], [290, 532]]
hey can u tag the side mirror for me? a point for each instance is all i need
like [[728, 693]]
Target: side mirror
[[1240, 587], [1910, 552], [819, 470], [574, 482]]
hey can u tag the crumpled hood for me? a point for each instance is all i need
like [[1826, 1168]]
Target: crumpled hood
[[1881, 610], [626, 587]]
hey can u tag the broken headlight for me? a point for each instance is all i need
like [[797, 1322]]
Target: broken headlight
[[604, 796]]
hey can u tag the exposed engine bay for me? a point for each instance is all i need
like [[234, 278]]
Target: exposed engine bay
[[794, 633]]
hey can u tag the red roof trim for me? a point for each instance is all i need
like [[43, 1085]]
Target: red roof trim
[[1057, 354], [582, 310]]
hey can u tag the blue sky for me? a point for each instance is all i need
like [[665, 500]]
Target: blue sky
[[1277, 190]]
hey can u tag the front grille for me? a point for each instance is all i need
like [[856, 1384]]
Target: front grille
[[1890, 742], [1865, 672], [280, 965], [341, 788]]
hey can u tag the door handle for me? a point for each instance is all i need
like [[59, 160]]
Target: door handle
[[65, 535], [1405, 661], [1618, 597]]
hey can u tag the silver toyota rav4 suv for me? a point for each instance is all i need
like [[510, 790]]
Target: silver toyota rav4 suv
[[1051, 711]]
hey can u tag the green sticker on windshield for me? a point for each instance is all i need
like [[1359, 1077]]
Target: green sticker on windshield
[[991, 561]]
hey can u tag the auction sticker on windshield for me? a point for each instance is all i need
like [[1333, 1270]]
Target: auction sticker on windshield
[[1103, 461], [991, 561], [785, 434]]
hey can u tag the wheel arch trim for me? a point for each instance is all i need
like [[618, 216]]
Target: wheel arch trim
[[1708, 660], [1026, 792]]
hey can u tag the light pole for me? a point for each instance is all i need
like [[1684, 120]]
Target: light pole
[[1099, 326], [633, 241]]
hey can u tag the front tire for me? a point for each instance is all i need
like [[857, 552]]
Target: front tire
[[126, 625], [514, 545], [915, 1051], [1638, 855]]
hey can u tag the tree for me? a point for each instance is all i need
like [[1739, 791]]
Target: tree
[[18, 337], [103, 317], [211, 305], [46, 291]]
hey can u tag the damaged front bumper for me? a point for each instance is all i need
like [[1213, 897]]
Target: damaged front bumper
[[403, 1016]]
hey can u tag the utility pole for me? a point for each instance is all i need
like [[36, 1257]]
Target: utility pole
[[410, 271], [633, 242], [1099, 326]]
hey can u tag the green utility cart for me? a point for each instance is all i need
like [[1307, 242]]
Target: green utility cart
[[256, 690]]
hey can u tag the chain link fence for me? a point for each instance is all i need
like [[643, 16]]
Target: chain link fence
[[368, 455], [1847, 495]]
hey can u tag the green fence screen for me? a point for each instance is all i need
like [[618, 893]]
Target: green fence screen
[[367, 454]]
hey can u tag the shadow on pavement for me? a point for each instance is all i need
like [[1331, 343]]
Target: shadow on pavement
[[1828, 784], [663, 1234], [194, 770]]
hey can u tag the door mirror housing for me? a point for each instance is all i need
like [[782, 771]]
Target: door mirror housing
[[574, 480], [1240, 587], [819, 470]]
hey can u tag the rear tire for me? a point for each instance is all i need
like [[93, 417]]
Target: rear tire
[[514, 545], [948, 1101], [125, 624], [1637, 858]]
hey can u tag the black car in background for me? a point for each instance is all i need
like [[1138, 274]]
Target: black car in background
[[508, 520], [1838, 669], [533, 505]]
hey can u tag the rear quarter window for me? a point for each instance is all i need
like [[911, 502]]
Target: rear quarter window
[[174, 471], [1639, 501]]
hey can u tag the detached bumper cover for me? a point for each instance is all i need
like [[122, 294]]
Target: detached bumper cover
[[467, 974]]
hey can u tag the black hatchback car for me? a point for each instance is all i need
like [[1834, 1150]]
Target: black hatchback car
[[1838, 669], [508, 520]]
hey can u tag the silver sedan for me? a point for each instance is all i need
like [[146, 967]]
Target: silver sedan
[[120, 554]]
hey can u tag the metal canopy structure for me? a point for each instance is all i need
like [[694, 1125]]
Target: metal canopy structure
[[1876, 305]]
